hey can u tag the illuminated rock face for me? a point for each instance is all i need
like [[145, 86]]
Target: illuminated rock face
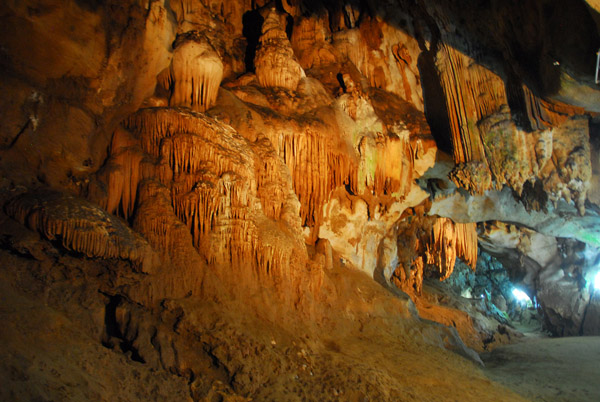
[[558, 272], [196, 72], [82, 227], [197, 183], [236, 173], [491, 151], [429, 247]]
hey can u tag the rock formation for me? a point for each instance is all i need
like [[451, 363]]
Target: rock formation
[[196, 72], [275, 63], [81, 227], [239, 193]]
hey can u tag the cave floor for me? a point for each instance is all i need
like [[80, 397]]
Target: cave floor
[[49, 351], [548, 369]]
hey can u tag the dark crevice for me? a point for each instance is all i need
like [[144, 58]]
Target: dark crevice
[[113, 330], [516, 101], [14, 140], [434, 99], [252, 29]]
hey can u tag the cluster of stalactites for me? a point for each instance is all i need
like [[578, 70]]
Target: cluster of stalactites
[[429, 247], [449, 241], [490, 147], [195, 74], [199, 184], [472, 93], [80, 226], [317, 166], [275, 63], [387, 165]]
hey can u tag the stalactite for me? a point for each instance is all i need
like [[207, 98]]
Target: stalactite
[[196, 72], [155, 219], [490, 150], [394, 173], [543, 114], [472, 93], [153, 125], [449, 241], [318, 165], [275, 63], [429, 246], [202, 184], [80, 226], [268, 176], [123, 171]]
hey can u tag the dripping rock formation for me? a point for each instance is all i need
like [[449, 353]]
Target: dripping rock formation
[[212, 200]]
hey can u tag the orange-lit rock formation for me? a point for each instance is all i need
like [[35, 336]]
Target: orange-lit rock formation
[[82, 227], [275, 63], [433, 246], [270, 157], [198, 181], [196, 72], [450, 241], [491, 150]]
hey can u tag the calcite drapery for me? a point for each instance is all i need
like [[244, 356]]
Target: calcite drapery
[[429, 246], [452, 240], [81, 226], [202, 184], [122, 173], [491, 149], [275, 63], [196, 72], [472, 93]]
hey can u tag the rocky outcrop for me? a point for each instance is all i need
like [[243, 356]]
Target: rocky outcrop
[[82, 227], [557, 273]]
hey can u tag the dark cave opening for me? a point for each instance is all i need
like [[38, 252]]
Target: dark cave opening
[[113, 333], [436, 110], [252, 21], [490, 294]]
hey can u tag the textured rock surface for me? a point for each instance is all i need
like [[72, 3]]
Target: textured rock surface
[[318, 166]]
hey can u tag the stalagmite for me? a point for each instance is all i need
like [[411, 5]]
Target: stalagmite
[[196, 72], [275, 63]]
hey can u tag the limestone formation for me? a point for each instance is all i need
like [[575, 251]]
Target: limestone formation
[[198, 180], [429, 247], [239, 194], [82, 227], [451, 241], [196, 72], [275, 63]]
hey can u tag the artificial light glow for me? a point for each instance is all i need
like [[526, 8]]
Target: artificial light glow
[[597, 281], [520, 295]]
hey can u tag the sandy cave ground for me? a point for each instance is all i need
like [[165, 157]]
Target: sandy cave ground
[[548, 369]]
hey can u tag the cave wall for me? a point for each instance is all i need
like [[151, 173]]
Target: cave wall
[[254, 145]]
